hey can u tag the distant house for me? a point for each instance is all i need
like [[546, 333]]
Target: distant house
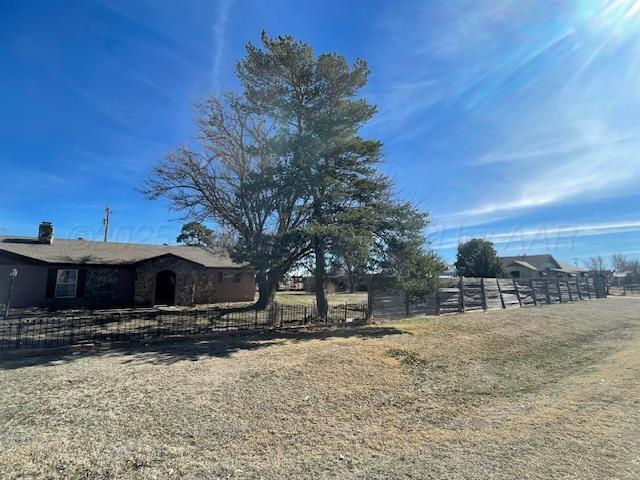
[[448, 275], [330, 285], [339, 283], [292, 283], [540, 266], [65, 273], [617, 278]]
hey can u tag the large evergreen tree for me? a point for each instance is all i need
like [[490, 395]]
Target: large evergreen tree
[[478, 258], [285, 168], [314, 100]]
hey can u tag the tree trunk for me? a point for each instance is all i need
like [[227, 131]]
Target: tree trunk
[[352, 283], [267, 285], [320, 278]]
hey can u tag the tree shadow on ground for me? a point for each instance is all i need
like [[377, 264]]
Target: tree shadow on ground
[[176, 350]]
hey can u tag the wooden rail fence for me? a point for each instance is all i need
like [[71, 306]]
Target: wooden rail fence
[[625, 290], [469, 294]]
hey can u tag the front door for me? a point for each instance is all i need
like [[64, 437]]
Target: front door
[[165, 288]]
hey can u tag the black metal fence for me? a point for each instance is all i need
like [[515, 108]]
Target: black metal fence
[[60, 330]]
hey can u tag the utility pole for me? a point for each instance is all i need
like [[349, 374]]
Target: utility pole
[[106, 220]]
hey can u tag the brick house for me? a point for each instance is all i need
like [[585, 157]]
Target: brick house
[[66, 273]]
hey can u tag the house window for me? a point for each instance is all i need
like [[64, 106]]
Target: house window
[[231, 277], [66, 283], [515, 274]]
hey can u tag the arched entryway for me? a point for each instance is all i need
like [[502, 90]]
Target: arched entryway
[[165, 288]]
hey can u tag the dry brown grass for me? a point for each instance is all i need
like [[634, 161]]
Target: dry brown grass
[[549, 392], [306, 298]]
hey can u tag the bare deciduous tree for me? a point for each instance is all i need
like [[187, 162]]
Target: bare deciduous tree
[[597, 266], [237, 181], [619, 262]]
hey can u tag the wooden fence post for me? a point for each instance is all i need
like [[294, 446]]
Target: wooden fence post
[[500, 292], [515, 288], [483, 294], [578, 287], [559, 291], [569, 290], [438, 300], [461, 288], [546, 286], [533, 293]]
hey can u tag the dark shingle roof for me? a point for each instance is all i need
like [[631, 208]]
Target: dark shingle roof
[[108, 253]]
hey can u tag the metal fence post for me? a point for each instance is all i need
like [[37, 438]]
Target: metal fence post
[[461, 288], [73, 327], [18, 333]]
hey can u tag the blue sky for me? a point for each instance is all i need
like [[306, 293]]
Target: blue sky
[[511, 120]]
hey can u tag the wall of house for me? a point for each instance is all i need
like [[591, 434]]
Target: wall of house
[[109, 286], [194, 284], [206, 286], [29, 287], [210, 287], [104, 286], [115, 286], [145, 280], [527, 273], [524, 272], [243, 291]]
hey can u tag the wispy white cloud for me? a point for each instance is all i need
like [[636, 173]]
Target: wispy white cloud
[[585, 163], [223, 18], [557, 235], [555, 148], [499, 78]]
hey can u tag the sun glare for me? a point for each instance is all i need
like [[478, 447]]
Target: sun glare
[[619, 18]]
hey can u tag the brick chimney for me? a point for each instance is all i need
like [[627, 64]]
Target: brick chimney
[[45, 233]]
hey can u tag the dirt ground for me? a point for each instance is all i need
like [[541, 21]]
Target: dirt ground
[[551, 392]]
